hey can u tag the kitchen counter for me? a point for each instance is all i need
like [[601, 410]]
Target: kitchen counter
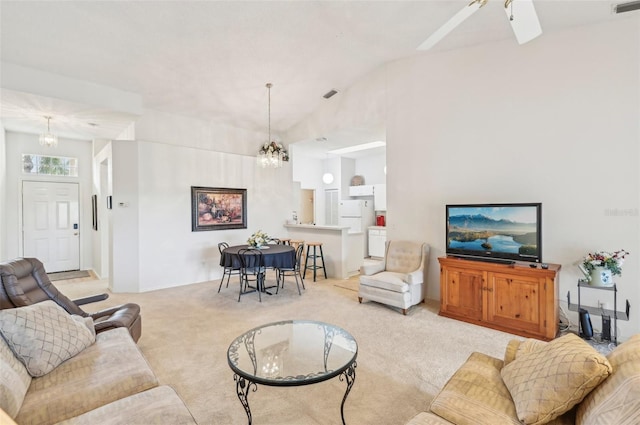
[[343, 251]]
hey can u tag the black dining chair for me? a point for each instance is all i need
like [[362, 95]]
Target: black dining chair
[[293, 271], [252, 269], [228, 270]]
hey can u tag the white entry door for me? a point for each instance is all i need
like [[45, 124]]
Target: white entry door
[[50, 223]]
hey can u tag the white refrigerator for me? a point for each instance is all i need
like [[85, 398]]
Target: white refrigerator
[[357, 214]]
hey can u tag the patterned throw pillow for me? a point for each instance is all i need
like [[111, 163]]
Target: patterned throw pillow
[[549, 381], [617, 400], [14, 381], [43, 335]]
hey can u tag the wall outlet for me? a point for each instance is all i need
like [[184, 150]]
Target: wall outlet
[[603, 305]]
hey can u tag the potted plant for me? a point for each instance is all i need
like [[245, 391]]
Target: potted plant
[[599, 267]]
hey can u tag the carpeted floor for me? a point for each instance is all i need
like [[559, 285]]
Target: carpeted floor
[[76, 274], [350, 284], [402, 360]]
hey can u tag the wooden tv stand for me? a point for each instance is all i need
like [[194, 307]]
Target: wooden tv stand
[[513, 298]]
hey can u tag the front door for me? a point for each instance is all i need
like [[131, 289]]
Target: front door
[[50, 223]]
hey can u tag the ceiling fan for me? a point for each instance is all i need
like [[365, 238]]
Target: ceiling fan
[[523, 18]]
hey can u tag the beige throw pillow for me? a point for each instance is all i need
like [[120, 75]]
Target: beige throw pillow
[[14, 381], [617, 400], [549, 381], [43, 335]]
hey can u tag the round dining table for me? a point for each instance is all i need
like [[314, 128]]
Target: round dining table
[[276, 256]]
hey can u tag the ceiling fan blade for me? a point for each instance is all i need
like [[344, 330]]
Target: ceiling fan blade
[[524, 20], [449, 26]]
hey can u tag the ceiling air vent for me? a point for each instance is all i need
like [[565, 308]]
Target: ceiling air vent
[[330, 93], [626, 7]]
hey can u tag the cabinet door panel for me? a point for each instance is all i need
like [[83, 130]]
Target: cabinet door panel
[[515, 301], [462, 293]]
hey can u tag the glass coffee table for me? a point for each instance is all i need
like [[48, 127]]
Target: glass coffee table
[[292, 353]]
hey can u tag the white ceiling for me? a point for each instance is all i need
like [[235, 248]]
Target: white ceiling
[[212, 59]]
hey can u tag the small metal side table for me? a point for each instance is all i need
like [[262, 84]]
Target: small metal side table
[[598, 311]]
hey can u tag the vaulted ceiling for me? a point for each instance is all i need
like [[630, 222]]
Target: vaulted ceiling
[[212, 59]]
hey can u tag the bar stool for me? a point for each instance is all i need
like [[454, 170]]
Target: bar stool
[[295, 243], [314, 257]]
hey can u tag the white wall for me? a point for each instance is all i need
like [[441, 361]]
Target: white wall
[[124, 270], [152, 243], [3, 194], [170, 254], [372, 168], [533, 124], [16, 145], [554, 121]]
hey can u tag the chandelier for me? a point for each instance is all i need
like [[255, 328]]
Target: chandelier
[[48, 139], [271, 154]]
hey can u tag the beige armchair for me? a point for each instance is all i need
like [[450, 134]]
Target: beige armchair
[[398, 279]]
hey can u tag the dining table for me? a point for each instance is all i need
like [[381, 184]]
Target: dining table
[[274, 256]]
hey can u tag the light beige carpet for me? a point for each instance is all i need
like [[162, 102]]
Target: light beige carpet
[[76, 274], [402, 360]]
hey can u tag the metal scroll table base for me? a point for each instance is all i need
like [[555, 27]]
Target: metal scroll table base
[[244, 387]]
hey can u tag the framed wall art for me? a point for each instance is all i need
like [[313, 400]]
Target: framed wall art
[[215, 208]]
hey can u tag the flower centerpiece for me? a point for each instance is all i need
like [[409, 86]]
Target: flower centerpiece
[[599, 267], [258, 239]]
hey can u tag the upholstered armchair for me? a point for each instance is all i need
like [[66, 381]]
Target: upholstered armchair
[[398, 280], [25, 282]]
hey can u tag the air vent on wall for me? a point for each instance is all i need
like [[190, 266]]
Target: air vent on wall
[[626, 7]]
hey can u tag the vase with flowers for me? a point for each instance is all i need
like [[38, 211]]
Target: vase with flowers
[[258, 239], [599, 267]]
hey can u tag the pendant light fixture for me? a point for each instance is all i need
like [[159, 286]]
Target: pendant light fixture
[[48, 139], [327, 177], [271, 154]]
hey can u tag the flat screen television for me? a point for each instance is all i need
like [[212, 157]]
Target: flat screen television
[[495, 232]]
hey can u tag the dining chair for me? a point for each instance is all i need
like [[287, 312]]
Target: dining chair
[[252, 269], [228, 270], [293, 271]]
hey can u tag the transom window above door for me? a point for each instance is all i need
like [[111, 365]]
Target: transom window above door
[[49, 165]]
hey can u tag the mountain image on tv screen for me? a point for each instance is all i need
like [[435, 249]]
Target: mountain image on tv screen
[[510, 230]]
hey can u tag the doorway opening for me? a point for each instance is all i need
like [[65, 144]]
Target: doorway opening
[[307, 206]]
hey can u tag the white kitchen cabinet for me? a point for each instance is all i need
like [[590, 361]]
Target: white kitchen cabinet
[[377, 239], [363, 190], [380, 197]]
